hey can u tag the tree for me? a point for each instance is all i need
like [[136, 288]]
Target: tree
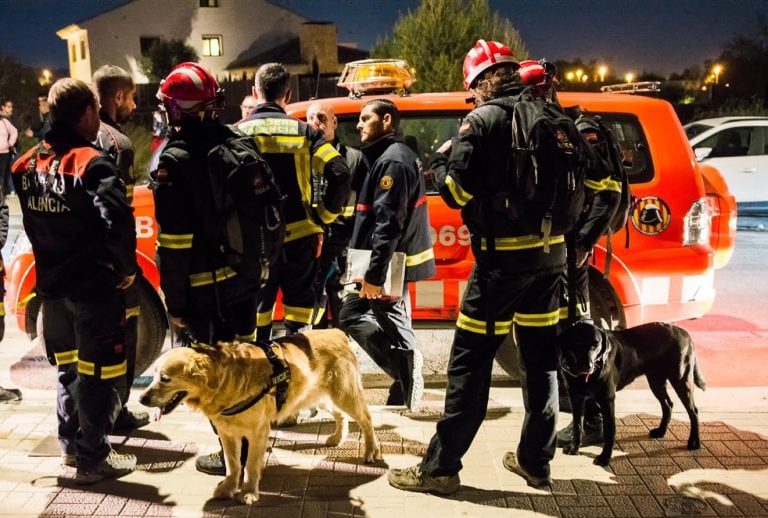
[[163, 55], [436, 36], [745, 64], [20, 83]]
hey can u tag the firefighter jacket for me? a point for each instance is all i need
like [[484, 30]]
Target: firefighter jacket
[[293, 149], [76, 215], [467, 180], [391, 213], [194, 274], [119, 147], [340, 231]]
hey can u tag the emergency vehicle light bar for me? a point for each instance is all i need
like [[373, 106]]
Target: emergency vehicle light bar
[[368, 75], [633, 88]]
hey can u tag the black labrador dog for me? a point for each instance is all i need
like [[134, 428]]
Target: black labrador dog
[[597, 362]]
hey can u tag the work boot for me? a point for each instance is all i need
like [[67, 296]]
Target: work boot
[[9, 395], [512, 464], [591, 433], [211, 464], [115, 465], [128, 420], [69, 460], [412, 479], [411, 377]]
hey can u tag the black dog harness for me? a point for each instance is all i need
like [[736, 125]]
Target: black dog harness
[[281, 375]]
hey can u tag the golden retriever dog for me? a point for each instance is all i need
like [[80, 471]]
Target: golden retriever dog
[[323, 373]]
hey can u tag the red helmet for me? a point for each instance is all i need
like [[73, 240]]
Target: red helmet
[[190, 88], [538, 74], [484, 55]]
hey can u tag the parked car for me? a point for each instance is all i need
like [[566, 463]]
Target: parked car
[[697, 127], [681, 228], [739, 150]]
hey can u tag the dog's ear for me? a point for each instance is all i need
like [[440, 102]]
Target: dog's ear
[[201, 369]]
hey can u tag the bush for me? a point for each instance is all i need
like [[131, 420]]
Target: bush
[[141, 137]]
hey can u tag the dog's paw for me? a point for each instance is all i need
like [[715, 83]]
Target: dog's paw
[[570, 449], [224, 490], [657, 433], [373, 456], [333, 440], [694, 444], [248, 498], [602, 460]]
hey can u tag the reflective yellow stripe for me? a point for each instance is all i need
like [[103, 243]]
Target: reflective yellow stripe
[[270, 127], [132, 312], [348, 211], [322, 156], [521, 242], [303, 228], [298, 314], [66, 357], [480, 327], [129, 191], [325, 215], [606, 184], [461, 196], [87, 368], [537, 319], [319, 316], [582, 310], [265, 318], [299, 148], [204, 278], [23, 302], [421, 257], [175, 240], [114, 371], [2, 309], [246, 338]]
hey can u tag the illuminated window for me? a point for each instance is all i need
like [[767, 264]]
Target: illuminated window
[[212, 46], [82, 49], [209, 3]]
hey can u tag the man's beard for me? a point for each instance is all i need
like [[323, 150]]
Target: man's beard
[[123, 115]]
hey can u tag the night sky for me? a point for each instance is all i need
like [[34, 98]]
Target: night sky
[[661, 36]]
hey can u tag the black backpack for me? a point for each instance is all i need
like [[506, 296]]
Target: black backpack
[[249, 206], [544, 186]]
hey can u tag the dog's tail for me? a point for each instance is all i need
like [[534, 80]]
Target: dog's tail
[[698, 379]]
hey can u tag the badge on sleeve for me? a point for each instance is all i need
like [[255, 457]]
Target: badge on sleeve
[[386, 182]]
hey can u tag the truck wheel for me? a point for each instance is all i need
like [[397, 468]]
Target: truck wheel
[[605, 309], [152, 327], [153, 324]]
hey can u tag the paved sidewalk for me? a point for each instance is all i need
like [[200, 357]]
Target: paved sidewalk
[[728, 477]]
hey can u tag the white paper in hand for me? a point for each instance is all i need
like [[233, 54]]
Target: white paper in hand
[[357, 265]]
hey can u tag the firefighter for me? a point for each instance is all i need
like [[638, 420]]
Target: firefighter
[[514, 282], [293, 149], [117, 95], [333, 258], [205, 298], [83, 236], [603, 196], [391, 216]]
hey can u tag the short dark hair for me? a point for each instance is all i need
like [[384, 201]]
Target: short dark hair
[[383, 106], [496, 81], [109, 79], [272, 81], [68, 99]]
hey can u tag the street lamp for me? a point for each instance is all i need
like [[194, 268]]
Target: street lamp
[[629, 77], [716, 70], [569, 76], [45, 77], [601, 72]]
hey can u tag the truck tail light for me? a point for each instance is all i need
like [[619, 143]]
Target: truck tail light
[[696, 225]]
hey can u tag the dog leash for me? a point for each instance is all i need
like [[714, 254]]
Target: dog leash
[[281, 376]]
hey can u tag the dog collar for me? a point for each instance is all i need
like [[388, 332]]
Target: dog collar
[[281, 375]]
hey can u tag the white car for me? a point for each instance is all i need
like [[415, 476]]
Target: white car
[[695, 128], [739, 150]]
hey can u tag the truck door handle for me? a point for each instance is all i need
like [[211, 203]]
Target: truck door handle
[[748, 170]]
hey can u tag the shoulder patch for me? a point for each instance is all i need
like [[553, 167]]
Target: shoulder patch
[[386, 182]]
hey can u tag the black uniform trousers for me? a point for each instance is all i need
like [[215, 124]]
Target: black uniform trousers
[[382, 328], [132, 310], [530, 300], [294, 274], [88, 342]]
